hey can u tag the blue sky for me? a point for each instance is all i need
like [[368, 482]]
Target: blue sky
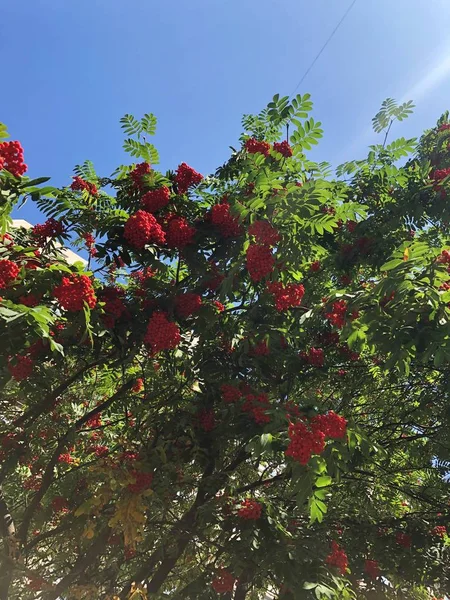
[[71, 69]]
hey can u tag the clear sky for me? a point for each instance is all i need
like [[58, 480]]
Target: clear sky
[[71, 68]]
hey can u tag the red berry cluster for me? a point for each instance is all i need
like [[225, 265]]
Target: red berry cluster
[[66, 458], [206, 419], [286, 296], [254, 146], [60, 504], [260, 261], [137, 174], [337, 558], [179, 233], [79, 184], [403, 539], [444, 259], [439, 530], [142, 276], [161, 333], [304, 442], [440, 174], [215, 279], [8, 272], [227, 223], [21, 368], [336, 316], [156, 199], [260, 349], [94, 421], [313, 357], [187, 304], [230, 394], [332, 425], [264, 233], [256, 405], [100, 451], [372, 568], [138, 385], [11, 158], [142, 228], [90, 244], [186, 177], [219, 306], [50, 229], [250, 510], [142, 482], [223, 582], [114, 305], [283, 148], [74, 292], [315, 266]]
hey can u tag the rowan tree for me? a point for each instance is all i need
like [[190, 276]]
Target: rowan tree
[[245, 389]]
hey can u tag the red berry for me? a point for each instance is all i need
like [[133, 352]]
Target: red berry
[[161, 333], [142, 228], [179, 233], [250, 510], [74, 292], [187, 304], [79, 184], [264, 233], [286, 297], [186, 177], [11, 158], [283, 148], [337, 558], [225, 221], [154, 200], [260, 261], [254, 146]]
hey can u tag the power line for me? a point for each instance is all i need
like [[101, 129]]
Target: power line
[[324, 46]]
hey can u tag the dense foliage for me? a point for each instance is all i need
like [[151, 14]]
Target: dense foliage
[[246, 389]]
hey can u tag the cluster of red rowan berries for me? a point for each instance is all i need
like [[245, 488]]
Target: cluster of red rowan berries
[[79, 184], [286, 296], [307, 439], [50, 229], [250, 510], [260, 261], [186, 177], [187, 304], [264, 233], [225, 221], [314, 357], [161, 333], [142, 481], [11, 158], [155, 200], [138, 173], [142, 228], [336, 315], [8, 272], [223, 582], [337, 558], [372, 568], [74, 292]]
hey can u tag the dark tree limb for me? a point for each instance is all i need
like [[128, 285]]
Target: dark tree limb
[[11, 547], [84, 561]]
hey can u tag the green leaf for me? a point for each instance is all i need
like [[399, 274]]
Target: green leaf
[[131, 125], [323, 481]]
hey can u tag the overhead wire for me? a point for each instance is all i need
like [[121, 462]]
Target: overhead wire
[[319, 54]]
